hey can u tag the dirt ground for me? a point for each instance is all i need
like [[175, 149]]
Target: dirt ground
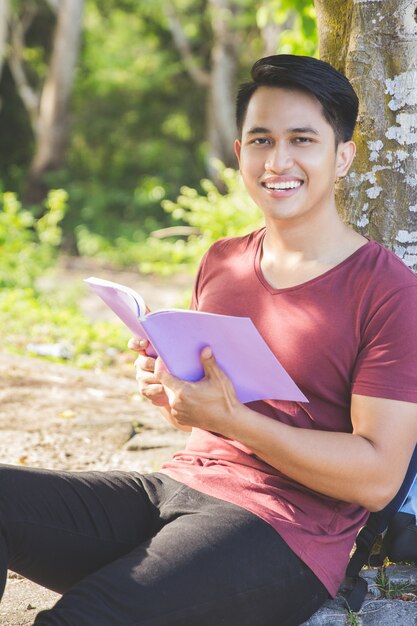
[[56, 416], [63, 414]]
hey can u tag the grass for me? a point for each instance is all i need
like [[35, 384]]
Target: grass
[[352, 619], [392, 590], [29, 318]]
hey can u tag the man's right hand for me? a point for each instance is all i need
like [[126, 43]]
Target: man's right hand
[[149, 385]]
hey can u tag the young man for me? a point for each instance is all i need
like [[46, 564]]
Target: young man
[[254, 521]]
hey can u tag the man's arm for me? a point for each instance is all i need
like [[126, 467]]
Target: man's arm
[[365, 467]]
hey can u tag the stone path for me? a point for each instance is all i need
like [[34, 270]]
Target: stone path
[[377, 610]]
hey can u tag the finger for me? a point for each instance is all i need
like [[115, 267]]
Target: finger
[[146, 378], [168, 380], [152, 391], [137, 344], [208, 361], [156, 394], [145, 363], [160, 366]]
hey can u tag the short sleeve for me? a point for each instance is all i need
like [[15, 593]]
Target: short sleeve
[[198, 283], [386, 366]]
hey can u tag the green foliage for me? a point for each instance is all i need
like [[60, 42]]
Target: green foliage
[[139, 132], [138, 142], [138, 121], [28, 245], [352, 619], [29, 317], [298, 21], [210, 214], [138, 118], [215, 214]]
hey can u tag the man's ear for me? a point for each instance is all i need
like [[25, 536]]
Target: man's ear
[[237, 147], [344, 157]]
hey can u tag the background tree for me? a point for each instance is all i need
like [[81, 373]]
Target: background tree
[[52, 124], [374, 43], [152, 100], [240, 31], [46, 103]]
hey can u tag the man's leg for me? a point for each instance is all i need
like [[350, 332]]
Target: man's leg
[[58, 527], [211, 563]]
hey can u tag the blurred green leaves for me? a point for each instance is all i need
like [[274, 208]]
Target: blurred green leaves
[[207, 215], [137, 160], [28, 246], [298, 21], [139, 121], [30, 314]]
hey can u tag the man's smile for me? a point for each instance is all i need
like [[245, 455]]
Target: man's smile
[[282, 184]]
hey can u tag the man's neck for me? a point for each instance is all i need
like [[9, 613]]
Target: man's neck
[[295, 253]]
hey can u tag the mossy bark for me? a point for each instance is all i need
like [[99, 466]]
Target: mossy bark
[[374, 42]]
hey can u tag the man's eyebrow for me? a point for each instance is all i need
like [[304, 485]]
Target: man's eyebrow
[[303, 130], [257, 130]]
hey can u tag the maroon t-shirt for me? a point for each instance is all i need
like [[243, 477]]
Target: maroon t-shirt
[[351, 330]]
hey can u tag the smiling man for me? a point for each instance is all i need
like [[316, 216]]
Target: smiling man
[[289, 159], [337, 310], [251, 524]]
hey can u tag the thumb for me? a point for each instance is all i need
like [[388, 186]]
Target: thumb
[[208, 361]]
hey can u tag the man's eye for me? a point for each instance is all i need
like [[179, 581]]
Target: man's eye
[[261, 141], [302, 140]]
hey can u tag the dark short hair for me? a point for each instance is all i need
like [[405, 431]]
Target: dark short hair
[[331, 88]]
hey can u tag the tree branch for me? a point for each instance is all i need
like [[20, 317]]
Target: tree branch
[[183, 45], [30, 97]]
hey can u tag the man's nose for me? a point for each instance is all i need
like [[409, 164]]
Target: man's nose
[[279, 158]]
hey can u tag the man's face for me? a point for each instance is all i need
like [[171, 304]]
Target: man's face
[[287, 155]]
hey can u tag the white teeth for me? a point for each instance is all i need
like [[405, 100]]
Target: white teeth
[[281, 186]]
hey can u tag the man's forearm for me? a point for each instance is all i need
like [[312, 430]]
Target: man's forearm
[[341, 465], [365, 467]]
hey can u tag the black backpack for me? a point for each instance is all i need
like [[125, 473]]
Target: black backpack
[[394, 528], [400, 540]]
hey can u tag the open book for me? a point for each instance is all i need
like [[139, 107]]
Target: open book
[[178, 337]]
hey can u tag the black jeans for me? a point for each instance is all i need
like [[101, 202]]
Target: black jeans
[[133, 550]]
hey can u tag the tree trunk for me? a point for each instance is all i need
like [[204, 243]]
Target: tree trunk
[[374, 42], [218, 79], [221, 114], [53, 120]]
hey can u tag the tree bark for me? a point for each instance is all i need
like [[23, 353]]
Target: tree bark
[[374, 42], [222, 129], [53, 120], [19, 25]]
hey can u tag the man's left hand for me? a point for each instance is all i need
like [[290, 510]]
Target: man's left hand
[[209, 403]]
